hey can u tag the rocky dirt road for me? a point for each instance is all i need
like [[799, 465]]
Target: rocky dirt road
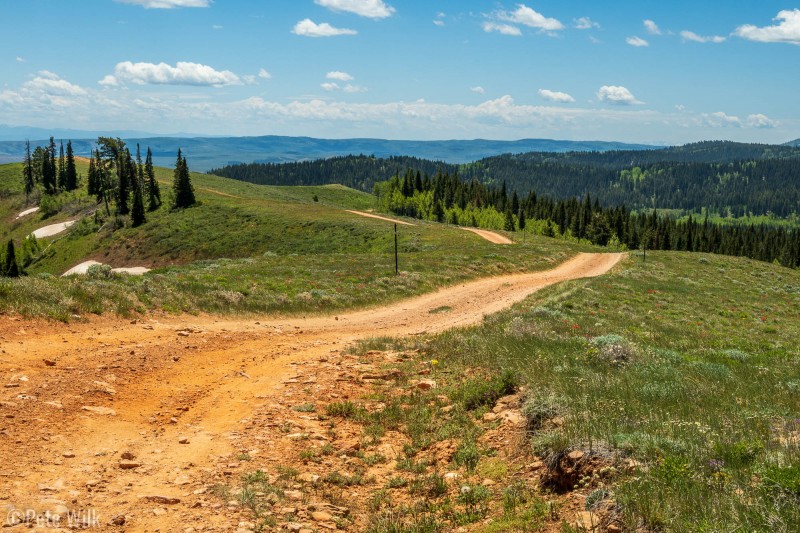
[[131, 422]]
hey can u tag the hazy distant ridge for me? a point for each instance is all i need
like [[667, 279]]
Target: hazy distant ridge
[[204, 153]]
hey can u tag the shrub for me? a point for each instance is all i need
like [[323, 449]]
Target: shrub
[[539, 407], [479, 392]]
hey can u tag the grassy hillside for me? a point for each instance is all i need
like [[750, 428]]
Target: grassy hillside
[[661, 397], [245, 248]]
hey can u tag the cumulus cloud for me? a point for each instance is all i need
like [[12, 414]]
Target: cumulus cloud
[[48, 83], [585, 23], [20, 59], [166, 4], [528, 17], [690, 36], [761, 121], [786, 31], [264, 75], [374, 9], [184, 73], [636, 41], [350, 88], [330, 86], [309, 28], [556, 96], [720, 119], [505, 29], [614, 94], [651, 27], [439, 20], [478, 90], [338, 75]]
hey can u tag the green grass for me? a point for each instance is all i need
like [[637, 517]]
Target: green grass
[[687, 364], [245, 249]]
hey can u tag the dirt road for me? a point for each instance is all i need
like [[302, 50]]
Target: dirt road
[[134, 421], [491, 236]]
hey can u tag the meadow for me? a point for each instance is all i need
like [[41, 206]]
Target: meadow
[[678, 375], [244, 249]]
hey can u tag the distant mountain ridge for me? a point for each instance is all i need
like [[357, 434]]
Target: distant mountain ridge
[[205, 153]]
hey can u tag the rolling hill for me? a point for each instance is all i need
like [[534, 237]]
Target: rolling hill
[[205, 153]]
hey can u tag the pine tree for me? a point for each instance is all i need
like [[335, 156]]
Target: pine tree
[[10, 266], [153, 191], [182, 185], [509, 222], [124, 182], [137, 211], [27, 172], [62, 168], [91, 179], [70, 174], [49, 168]]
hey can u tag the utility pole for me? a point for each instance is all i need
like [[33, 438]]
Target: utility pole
[[396, 264]]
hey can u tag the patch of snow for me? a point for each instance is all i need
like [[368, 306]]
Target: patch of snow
[[53, 229]]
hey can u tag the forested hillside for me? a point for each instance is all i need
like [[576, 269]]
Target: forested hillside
[[446, 198], [726, 178]]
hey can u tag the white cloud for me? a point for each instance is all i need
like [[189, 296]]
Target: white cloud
[[636, 41], [478, 90], [338, 75], [680, 107], [528, 17], [264, 75], [505, 29], [614, 94], [556, 96], [20, 59], [109, 80], [439, 22], [330, 86], [309, 28], [761, 121], [184, 73], [349, 88], [720, 119], [375, 9], [216, 27], [50, 84], [687, 36], [166, 4], [651, 27], [787, 31], [585, 23]]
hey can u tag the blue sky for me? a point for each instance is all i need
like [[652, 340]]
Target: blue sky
[[636, 71]]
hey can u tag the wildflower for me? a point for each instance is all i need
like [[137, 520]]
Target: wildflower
[[434, 362], [716, 465]]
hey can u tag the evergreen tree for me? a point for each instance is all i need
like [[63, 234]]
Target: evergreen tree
[[509, 222], [27, 172], [153, 191], [125, 170], [182, 185], [137, 211], [62, 168], [91, 179], [70, 174], [10, 266], [49, 168]]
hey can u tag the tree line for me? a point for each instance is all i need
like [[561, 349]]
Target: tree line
[[729, 179], [54, 173], [448, 198], [114, 178]]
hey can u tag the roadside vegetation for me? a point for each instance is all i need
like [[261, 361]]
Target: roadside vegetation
[[662, 396]]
